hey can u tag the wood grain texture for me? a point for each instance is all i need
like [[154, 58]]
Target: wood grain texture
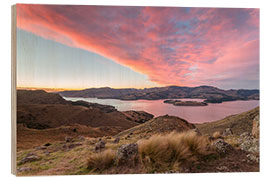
[[13, 88]]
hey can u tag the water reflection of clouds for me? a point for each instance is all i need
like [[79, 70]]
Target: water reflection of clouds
[[195, 114]]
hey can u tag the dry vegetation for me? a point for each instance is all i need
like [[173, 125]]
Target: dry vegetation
[[101, 161], [216, 135], [159, 153]]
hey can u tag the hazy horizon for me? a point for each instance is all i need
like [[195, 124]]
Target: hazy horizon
[[70, 89]]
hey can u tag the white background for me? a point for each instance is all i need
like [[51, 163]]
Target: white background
[[5, 95]]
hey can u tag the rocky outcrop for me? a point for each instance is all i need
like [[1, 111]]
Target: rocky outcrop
[[100, 145], [116, 140], [127, 154], [227, 132], [256, 127], [23, 169], [30, 157], [250, 144], [221, 146]]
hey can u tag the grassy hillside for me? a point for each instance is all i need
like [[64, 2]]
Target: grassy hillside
[[62, 157], [239, 123], [30, 138], [159, 125], [168, 153]]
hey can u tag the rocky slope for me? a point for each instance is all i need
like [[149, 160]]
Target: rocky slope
[[211, 94]]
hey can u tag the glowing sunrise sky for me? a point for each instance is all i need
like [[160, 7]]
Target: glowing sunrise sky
[[79, 47]]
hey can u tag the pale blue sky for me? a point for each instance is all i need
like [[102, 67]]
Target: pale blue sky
[[46, 63]]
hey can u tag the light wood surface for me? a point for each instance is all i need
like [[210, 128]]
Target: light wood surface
[[13, 88]]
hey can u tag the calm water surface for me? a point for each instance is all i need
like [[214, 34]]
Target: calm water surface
[[193, 114]]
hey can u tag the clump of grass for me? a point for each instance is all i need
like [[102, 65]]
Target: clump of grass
[[101, 161], [159, 153], [163, 151], [233, 140], [216, 135]]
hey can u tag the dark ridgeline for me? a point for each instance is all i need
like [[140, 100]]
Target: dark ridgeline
[[210, 93]]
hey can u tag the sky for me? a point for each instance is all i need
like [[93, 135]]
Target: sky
[[76, 47]]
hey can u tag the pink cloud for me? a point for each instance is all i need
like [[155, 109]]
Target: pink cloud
[[163, 43]]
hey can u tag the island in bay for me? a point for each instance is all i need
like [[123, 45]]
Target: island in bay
[[185, 103]]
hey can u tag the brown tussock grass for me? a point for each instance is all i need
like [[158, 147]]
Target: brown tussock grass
[[171, 150], [158, 153], [217, 135], [101, 161]]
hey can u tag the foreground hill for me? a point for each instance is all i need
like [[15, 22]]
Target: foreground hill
[[210, 93], [42, 114], [164, 144], [238, 123]]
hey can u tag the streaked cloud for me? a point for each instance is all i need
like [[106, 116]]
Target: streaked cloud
[[172, 46]]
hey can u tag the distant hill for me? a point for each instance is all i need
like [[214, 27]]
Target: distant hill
[[39, 97], [42, 116], [238, 123], [210, 93]]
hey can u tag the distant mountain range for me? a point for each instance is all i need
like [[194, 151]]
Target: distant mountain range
[[209, 93]]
